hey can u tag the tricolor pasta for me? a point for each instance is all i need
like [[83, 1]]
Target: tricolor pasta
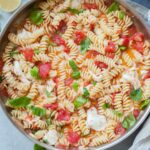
[[77, 73]]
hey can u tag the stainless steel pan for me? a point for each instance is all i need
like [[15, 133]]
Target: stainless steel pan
[[17, 17]]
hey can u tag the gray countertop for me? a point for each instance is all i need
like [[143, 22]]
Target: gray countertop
[[12, 139]]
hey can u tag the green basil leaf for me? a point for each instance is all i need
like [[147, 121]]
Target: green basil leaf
[[74, 11], [38, 111], [38, 147], [73, 65], [86, 92], [75, 75], [94, 83], [20, 102], [36, 51], [12, 53], [48, 94], [119, 114], [121, 15], [106, 105], [144, 104], [85, 45], [136, 95], [113, 7], [75, 86], [131, 120], [48, 122], [1, 79], [36, 17], [125, 124], [122, 48], [35, 73], [80, 101]]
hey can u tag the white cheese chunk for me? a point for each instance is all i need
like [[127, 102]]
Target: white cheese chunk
[[51, 137], [95, 121], [76, 4], [50, 85], [17, 68]]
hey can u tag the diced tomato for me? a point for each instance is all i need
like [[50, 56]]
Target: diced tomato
[[92, 27], [63, 115], [86, 83], [56, 80], [44, 70], [4, 92], [110, 55], [138, 37], [125, 41], [139, 46], [111, 47], [61, 147], [79, 37], [90, 6], [147, 76], [73, 137], [28, 54], [136, 113], [1, 64], [101, 65], [62, 27], [68, 82], [119, 130], [66, 49], [91, 54], [132, 30], [52, 106], [108, 3], [58, 40]]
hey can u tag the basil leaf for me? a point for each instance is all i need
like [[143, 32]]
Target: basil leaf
[[85, 45], [48, 94], [48, 122], [38, 147], [35, 73], [129, 121], [86, 92], [74, 11], [73, 65], [36, 17], [144, 104], [94, 83], [122, 48], [12, 53], [1, 79], [36, 51], [20, 102], [75, 75], [125, 124], [121, 15], [75, 86], [38, 111], [106, 105], [136, 95], [119, 114], [113, 7], [80, 101]]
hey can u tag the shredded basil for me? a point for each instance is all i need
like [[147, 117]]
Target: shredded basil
[[122, 48], [75, 86], [75, 11], [36, 17], [121, 15], [85, 45], [75, 75], [119, 114], [136, 95], [38, 147], [36, 51], [19, 102], [35, 73], [94, 83], [12, 53], [86, 92], [38, 111], [144, 104], [106, 105], [73, 65], [80, 101], [48, 94], [1, 79], [114, 6]]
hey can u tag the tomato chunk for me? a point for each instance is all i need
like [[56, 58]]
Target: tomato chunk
[[68, 82], [52, 106], [125, 41], [111, 47], [139, 46], [28, 54], [44, 70], [73, 137], [79, 37], [1, 64], [147, 76], [119, 130], [62, 27], [101, 65], [63, 115], [136, 113], [4, 91], [61, 147], [138, 37], [66, 50], [90, 6], [91, 54], [92, 27], [110, 55], [132, 30], [58, 40]]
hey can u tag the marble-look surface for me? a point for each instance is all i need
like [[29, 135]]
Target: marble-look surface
[[12, 139]]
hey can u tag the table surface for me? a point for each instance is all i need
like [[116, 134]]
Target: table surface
[[12, 139]]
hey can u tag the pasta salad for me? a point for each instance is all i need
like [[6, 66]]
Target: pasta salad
[[77, 72]]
